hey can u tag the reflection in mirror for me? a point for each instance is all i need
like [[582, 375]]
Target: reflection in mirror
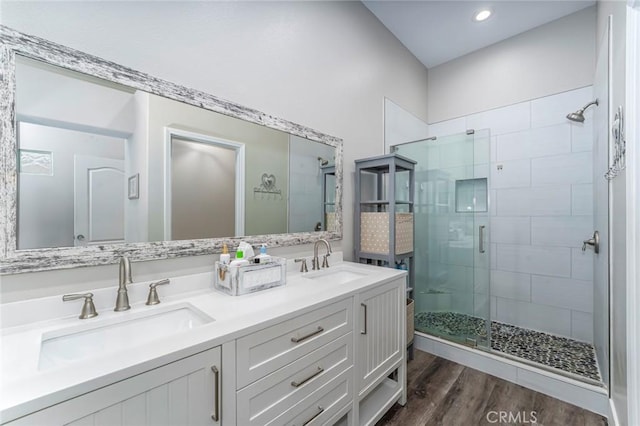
[[197, 174]]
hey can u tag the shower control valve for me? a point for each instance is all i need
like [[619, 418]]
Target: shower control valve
[[593, 241]]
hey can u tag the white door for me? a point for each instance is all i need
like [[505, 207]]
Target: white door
[[185, 392], [99, 196], [382, 328]]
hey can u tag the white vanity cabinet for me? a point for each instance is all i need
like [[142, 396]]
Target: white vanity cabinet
[[381, 360], [317, 356], [299, 371], [184, 392]]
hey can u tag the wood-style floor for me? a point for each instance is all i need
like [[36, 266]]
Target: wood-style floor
[[441, 392]]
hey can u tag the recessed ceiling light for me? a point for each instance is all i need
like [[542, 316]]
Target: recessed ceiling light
[[482, 15]]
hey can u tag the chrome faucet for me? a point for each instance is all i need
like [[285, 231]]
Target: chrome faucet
[[122, 301], [315, 262]]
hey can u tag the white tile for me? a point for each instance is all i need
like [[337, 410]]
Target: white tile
[[493, 307], [456, 152], [480, 170], [535, 317], [596, 401], [481, 280], [560, 231], [562, 293], [493, 256], [537, 142], [511, 285], [553, 109], [494, 149], [582, 136], [513, 146], [513, 118], [511, 174], [481, 307], [462, 302], [582, 264], [536, 201], [493, 202], [551, 140], [448, 127], [582, 326], [481, 149], [562, 169], [553, 261], [582, 199], [510, 230]]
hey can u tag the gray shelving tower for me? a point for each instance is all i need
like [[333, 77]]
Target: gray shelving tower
[[382, 171]]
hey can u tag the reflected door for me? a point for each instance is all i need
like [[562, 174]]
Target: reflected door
[[451, 236], [99, 195]]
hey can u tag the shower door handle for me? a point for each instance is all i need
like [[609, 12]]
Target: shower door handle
[[481, 238]]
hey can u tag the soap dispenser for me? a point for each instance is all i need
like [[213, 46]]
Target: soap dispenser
[[263, 257], [239, 260]]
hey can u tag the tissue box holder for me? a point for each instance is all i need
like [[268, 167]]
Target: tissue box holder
[[238, 280]]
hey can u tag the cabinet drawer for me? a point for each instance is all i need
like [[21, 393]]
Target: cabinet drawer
[[321, 406], [267, 350], [267, 398]]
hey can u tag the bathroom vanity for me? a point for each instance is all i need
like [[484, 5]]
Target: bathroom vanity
[[326, 348]]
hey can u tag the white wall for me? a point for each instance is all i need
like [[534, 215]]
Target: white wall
[[618, 231], [550, 59], [326, 65], [401, 126], [541, 211]]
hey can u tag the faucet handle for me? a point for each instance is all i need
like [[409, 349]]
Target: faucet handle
[[88, 308], [153, 298], [325, 260], [303, 267]]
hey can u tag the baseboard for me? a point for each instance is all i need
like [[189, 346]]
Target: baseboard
[[584, 395]]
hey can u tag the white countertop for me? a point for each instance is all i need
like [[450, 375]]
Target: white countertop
[[24, 388]]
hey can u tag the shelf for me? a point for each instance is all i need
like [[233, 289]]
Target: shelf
[[370, 202], [383, 256], [378, 401]]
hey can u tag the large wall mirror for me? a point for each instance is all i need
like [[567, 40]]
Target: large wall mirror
[[100, 161]]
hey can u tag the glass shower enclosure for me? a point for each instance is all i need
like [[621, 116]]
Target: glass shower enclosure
[[451, 240]]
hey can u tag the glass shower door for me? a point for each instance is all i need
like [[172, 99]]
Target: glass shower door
[[451, 215]]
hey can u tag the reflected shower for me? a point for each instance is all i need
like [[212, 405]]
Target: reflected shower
[[322, 161], [578, 116]]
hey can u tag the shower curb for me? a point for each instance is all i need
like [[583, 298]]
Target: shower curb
[[584, 395]]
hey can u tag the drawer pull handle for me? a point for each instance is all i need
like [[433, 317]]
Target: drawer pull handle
[[216, 389], [365, 319], [321, 410], [298, 384], [313, 333]]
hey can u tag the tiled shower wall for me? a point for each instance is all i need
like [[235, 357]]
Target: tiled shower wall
[[541, 211]]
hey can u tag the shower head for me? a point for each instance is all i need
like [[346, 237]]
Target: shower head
[[322, 161], [578, 116]]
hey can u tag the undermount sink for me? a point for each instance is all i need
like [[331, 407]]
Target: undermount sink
[[116, 334], [339, 274]]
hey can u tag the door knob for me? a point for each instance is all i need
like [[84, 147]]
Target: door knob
[[593, 241], [80, 237]]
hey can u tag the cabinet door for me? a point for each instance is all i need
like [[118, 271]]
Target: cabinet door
[[382, 330], [184, 392]]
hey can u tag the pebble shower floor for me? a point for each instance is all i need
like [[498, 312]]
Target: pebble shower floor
[[554, 351]]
